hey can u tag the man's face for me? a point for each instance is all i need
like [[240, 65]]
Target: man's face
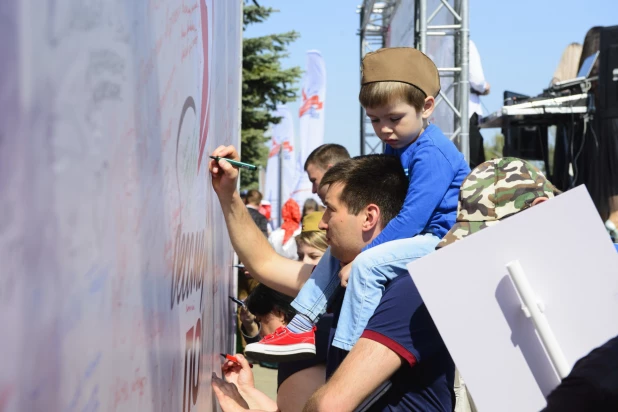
[[344, 231], [315, 174]]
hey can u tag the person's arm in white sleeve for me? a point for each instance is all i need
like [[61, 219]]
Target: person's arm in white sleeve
[[477, 77]]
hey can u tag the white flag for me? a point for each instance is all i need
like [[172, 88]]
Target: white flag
[[311, 115], [282, 136]]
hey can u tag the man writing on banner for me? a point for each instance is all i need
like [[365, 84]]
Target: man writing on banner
[[400, 344]]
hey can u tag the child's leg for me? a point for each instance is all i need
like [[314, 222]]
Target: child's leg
[[297, 340], [313, 297], [371, 270]]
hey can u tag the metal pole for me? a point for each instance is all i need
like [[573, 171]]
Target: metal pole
[[422, 23], [280, 188], [362, 111], [464, 81]]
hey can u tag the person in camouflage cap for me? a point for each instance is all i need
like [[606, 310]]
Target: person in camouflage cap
[[495, 190]]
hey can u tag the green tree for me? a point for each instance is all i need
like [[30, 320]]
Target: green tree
[[493, 150], [265, 84]]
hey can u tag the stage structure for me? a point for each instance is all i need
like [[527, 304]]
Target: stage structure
[[439, 28]]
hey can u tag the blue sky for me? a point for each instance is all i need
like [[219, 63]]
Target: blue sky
[[520, 43]]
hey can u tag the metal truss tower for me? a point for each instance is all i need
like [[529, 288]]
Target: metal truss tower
[[375, 20]]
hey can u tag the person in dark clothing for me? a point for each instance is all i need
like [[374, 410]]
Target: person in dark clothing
[[296, 380], [592, 385], [252, 201]]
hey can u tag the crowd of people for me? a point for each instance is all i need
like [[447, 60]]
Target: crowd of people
[[341, 316]]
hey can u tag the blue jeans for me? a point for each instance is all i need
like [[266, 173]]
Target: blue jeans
[[371, 270]]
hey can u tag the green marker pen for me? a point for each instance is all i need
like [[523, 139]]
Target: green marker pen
[[235, 163]]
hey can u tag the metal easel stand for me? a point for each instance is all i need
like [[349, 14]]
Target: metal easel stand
[[535, 309]]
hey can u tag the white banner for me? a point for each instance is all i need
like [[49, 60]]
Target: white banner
[[115, 268], [282, 136], [440, 49], [311, 115], [401, 29]]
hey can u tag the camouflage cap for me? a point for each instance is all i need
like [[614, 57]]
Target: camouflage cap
[[495, 190]]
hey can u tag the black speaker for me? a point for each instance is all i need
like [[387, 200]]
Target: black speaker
[[607, 102], [526, 142]]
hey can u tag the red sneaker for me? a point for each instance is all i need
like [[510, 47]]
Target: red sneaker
[[283, 346]]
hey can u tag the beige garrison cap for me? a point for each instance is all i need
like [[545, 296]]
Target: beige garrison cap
[[401, 64]]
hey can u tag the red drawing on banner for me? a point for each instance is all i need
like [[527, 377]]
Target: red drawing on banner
[[193, 351], [205, 115], [123, 389], [171, 21], [189, 9], [187, 50], [190, 28], [168, 87], [274, 150], [309, 103]]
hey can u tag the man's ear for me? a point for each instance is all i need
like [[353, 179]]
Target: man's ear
[[539, 200], [372, 217], [430, 104]]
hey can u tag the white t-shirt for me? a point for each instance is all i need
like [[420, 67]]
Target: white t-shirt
[[289, 249], [477, 81]]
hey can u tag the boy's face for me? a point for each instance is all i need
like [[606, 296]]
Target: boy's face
[[397, 124]]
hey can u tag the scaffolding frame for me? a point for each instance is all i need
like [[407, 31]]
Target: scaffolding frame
[[375, 19]]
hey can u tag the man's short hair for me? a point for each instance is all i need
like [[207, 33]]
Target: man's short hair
[[327, 154], [254, 197], [370, 179]]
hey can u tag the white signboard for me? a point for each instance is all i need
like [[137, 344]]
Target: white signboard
[[571, 265], [114, 261]]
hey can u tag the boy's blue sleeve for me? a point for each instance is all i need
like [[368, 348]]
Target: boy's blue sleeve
[[431, 174]]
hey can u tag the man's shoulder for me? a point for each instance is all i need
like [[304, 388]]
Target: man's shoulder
[[401, 291]]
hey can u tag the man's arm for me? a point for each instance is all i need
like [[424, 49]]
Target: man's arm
[[477, 77], [366, 367], [265, 265]]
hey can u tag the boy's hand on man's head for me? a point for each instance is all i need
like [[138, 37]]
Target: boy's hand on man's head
[[224, 175], [344, 274]]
